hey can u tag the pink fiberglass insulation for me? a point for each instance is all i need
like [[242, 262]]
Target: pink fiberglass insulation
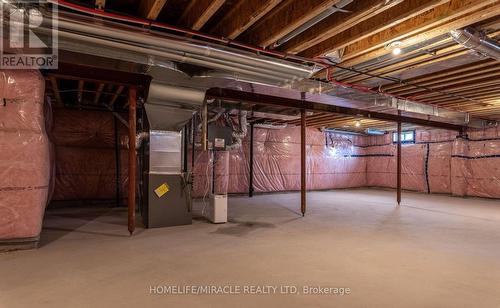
[[88, 173], [203, 173], [85, 159], [277, 163], [439, 167], [476, 164], [24, 154]]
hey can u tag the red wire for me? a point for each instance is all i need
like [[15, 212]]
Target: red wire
[[150, 23]]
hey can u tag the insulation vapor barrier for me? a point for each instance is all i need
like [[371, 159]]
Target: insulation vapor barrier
[[332, 162], [438, 162], [85, 156], [24, 154]]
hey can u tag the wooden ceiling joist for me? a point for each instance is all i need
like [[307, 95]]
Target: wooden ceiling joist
[[81, 84], [416, 62], [117, 93], [388, 20], [438, 21], [283, 19], [442, 75], [198, 12], [359, 11], [477, 89], [150, 9], [55, 89], [241, 16], [443, 85], [98, 93]]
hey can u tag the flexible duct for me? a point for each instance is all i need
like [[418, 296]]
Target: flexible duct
[[271, 126], [243, 126], [472, 39], [139, 138], [212, 119], [241, 133]]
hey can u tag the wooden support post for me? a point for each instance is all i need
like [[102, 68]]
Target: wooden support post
[[132, 161], [250, 175], [399, 165], [303, 162]]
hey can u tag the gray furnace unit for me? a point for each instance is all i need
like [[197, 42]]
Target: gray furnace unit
[[166, 191]]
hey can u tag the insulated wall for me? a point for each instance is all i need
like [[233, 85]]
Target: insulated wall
[[438, 162], [332, 162], [476, 164], [24, 154], [85, 157]]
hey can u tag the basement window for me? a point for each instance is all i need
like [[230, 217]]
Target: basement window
[[407, 136]]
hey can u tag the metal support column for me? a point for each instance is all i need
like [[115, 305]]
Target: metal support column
[[132, 160], [303, 162], [204, 126], [399, 165], [117, 162], [250, 175], [185, 141]]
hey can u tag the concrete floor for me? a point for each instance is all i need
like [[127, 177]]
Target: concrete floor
[[434, 251]]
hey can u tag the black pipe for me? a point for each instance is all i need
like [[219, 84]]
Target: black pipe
[[193, 132], [250, 175], [214, 156], [398, 170], [117, 162], [185, 155], [303, 165], [427, 169]]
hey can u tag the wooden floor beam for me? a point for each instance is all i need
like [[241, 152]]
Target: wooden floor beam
[[241, 16]]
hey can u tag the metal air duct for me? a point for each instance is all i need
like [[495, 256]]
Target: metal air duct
[[474, 40]]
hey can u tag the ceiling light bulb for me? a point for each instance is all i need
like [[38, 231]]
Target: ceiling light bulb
[[357, 123], [396, 51]]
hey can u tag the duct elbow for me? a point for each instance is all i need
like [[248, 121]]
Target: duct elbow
[[472, 39]]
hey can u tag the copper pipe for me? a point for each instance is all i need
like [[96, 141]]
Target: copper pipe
[[303, 161], [399, 165], [132, 160]]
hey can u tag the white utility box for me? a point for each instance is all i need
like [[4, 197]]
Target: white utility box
[[217, 209]]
